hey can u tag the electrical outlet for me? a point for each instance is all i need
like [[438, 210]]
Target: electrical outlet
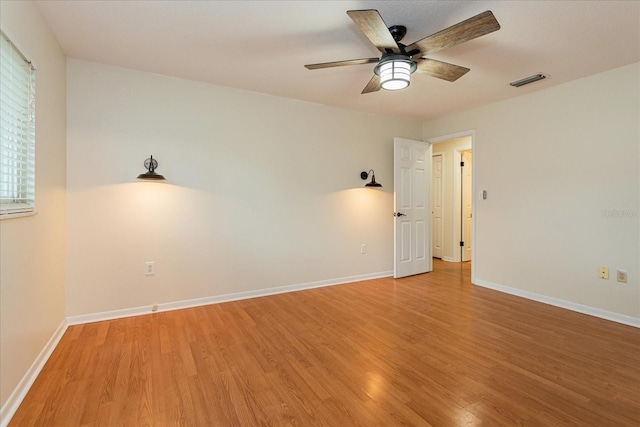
[[622, 276], [603, 272], [149, 268], [363, 249]]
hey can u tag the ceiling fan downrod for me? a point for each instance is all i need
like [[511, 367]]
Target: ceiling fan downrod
[[398, 32]]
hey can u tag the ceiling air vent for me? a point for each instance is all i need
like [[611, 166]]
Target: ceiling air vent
[[528, 80]]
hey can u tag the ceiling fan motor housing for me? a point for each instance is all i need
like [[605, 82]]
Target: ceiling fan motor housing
[[398, 32]]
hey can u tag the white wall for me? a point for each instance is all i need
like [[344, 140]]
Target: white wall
[[32, 249], [554, 162], [261, 191]]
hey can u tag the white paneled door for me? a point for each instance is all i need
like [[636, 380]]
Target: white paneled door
[[436, 206], [412, 207], [467, 200]]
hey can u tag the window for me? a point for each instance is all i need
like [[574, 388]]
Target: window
[[17, 130]]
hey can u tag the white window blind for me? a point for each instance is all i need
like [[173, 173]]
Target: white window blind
[[17, 130]]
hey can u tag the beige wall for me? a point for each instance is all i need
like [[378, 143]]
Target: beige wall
[[32, 249], [261, 191], [556, 164], [451, 192]]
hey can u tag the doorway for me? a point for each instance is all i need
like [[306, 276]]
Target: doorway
[[453, 216]]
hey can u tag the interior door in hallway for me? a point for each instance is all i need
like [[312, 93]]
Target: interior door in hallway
[[436, 206], [412, 210], [467, 201]]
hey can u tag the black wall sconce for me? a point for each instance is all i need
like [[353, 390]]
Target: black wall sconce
[[151, 165], [373, 183]]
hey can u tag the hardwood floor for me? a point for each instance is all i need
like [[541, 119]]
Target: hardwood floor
[[425, 350]]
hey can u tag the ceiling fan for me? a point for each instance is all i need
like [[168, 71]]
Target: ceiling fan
[[398, 61]]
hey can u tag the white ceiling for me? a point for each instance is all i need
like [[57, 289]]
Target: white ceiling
[[262, 46]]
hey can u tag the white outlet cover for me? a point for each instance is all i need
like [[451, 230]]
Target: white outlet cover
[[622, 276], [149, 268]]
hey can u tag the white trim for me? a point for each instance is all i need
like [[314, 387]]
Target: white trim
[[13, 402], [456, 135], [568, 305], [448, 259], [178, 305], [4, 216]]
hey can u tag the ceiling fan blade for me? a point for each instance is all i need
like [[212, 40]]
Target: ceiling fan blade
[[469, 29], [441, 70], [373, 85], [343, 63], [372, 25]]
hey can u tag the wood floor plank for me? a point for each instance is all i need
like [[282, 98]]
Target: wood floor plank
[[426, 350]]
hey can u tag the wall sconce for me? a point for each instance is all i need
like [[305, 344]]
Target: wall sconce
[[373, 183], [151, 165]]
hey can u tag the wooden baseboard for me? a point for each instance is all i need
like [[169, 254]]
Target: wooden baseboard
[[13, 402], [584, 309]]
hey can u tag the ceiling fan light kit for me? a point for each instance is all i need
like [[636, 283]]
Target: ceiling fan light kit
[[393, 70]]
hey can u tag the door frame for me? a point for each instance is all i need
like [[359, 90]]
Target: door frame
[[457, 208]]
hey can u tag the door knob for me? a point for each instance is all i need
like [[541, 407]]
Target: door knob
[[398, 214]]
